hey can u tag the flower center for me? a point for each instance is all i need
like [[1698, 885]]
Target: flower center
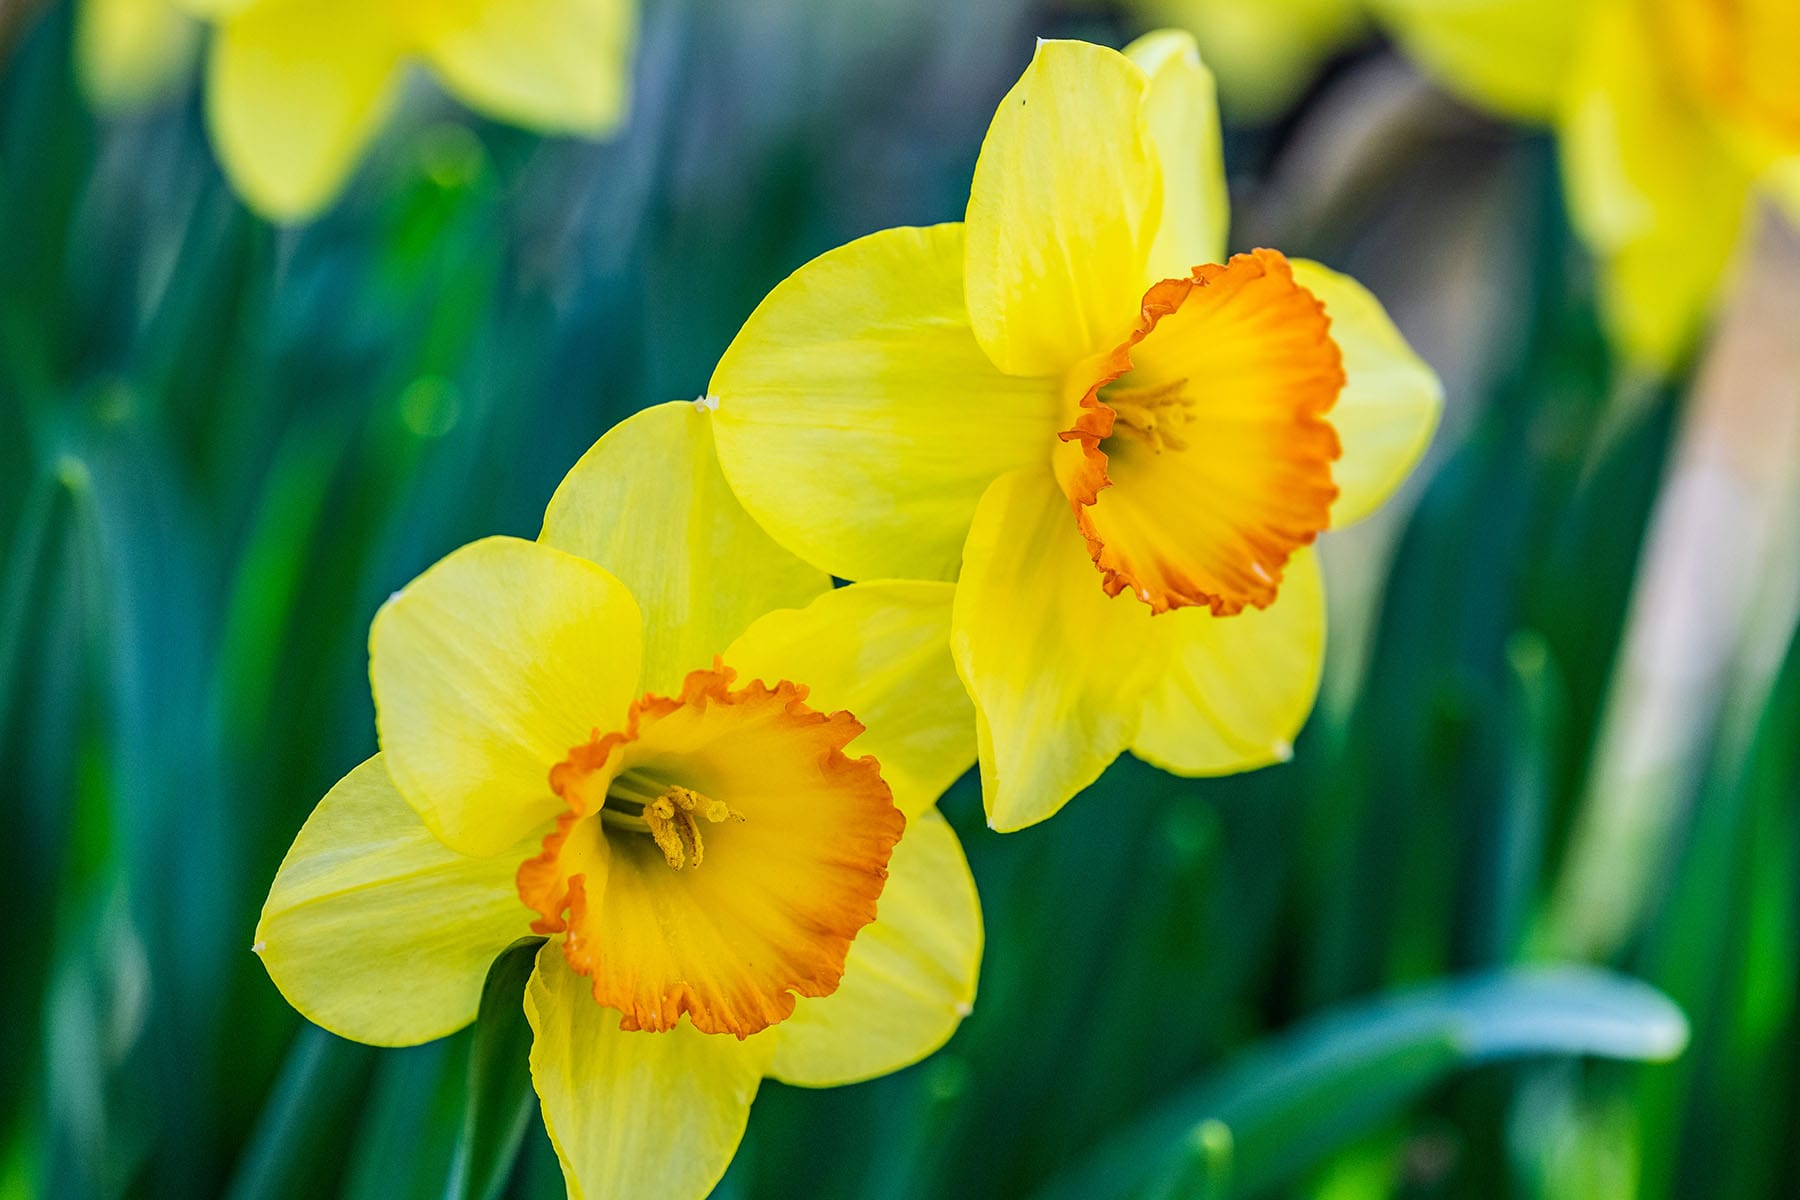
[[670, 815], [795, 860], [1154, 415], [1199, 455]]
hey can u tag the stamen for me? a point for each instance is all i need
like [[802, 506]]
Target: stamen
[[670, 820], [1151, 414]]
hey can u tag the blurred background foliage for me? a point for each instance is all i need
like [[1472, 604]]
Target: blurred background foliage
[[1560, 721]]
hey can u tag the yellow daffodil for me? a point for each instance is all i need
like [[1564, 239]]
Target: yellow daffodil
[[1671, 114], [130, 53], [595, 738], [1264, 52], [297, 88], [1128, 442]]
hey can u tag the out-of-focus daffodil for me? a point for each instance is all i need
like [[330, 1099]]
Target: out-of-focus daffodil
[[1128, 442], [726, 891], [295, 89], [130, 53], [1671, 114], [1264, 52]]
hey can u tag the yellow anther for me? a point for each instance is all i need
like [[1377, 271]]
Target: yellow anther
[[670, 818]]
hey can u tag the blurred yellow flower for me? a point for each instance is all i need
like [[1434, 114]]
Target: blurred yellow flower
[[726, 891], [296, 89], [1264, 52], [1128, 446], [1671, 114], [132, 52]]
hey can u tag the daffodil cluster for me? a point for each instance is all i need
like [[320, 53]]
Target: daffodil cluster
[[297, 89], [1073, 458], [1671, 115]]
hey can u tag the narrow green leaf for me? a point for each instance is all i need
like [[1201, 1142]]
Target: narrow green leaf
[[268, 585], [1295, 1098], [21, 566], [501, 1103], [295, 1147], [405, 1141]]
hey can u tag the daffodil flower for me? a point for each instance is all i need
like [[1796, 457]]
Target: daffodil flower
[[595, 738], [131, 53], [1671, 115], [1129, 443], [296, 89]]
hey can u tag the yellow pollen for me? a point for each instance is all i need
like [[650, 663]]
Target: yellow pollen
[[1152, 415], [671, 821]]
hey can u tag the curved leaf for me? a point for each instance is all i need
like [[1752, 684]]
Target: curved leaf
[[1291, 1100]]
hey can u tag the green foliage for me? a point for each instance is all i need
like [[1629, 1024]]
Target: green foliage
[[501, 1106], [222, 445], [1280, 1106]]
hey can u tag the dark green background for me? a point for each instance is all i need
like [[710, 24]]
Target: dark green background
[[223, 444]]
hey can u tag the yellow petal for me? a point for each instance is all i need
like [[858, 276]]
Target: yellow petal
[[1511, 56], [550, 65], [1181, 113], [376, 930], [132, 52], [910, 978], [634, 1111], [1234, 691], [1737, 60], [1656, 195], [1056, 667], [295, 91], [882, 651], [1389, 406], [1265, 52], [648, 503], [857, 418], [487, 670], [1066, 202]]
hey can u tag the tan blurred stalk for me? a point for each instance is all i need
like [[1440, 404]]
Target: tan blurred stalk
[[1714, 607]]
